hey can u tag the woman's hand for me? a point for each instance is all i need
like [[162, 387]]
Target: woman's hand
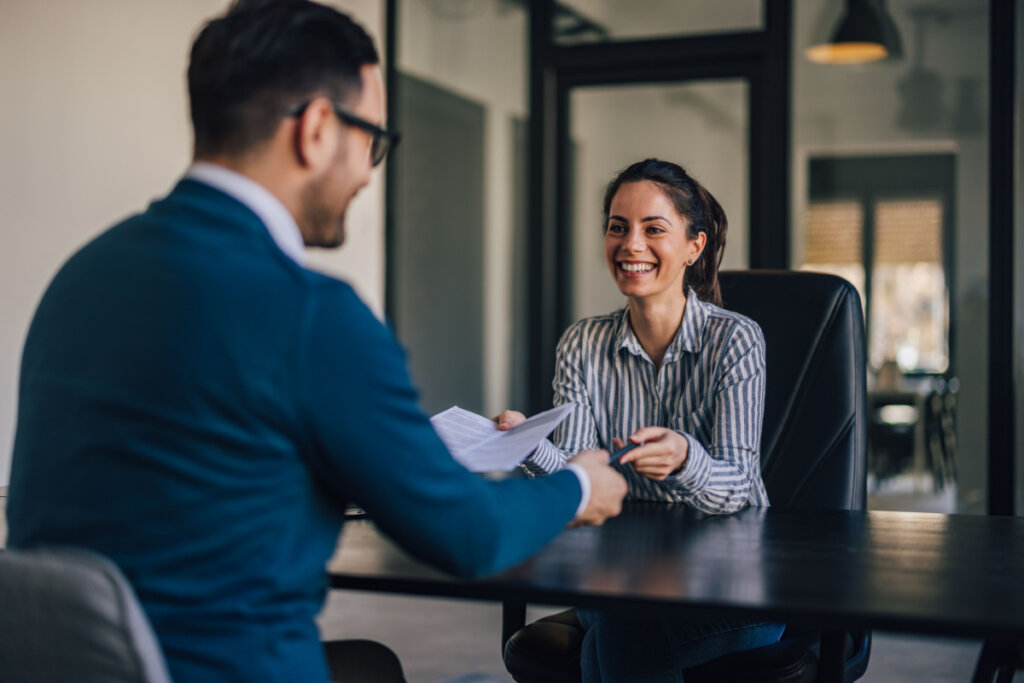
[[507, 419], [663, 452]]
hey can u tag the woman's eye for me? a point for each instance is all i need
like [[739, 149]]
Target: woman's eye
[[613, 228], [654, 230]]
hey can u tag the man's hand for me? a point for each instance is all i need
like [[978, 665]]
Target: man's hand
[[607, 487], [663, 452]]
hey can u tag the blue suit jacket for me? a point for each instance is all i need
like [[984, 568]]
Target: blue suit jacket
[[199, 408]]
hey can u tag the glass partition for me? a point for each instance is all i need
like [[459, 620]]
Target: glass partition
[[890, 190], [583, 21], [456, 199], [917, 251]]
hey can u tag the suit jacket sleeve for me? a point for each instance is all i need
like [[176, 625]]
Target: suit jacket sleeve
[[368, 442]]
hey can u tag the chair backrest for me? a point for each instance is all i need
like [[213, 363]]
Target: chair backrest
[[814, 441], [70, 615]]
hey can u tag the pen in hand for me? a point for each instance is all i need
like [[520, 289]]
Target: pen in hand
[[622, 451]]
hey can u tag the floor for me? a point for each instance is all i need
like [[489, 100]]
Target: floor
[[442, 639], [912, 493]]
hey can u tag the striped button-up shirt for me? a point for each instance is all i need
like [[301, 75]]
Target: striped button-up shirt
[[709, 388]]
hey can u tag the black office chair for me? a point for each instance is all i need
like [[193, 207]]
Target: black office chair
[[813, 455]]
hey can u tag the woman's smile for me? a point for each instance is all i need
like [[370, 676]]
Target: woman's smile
[[636, 269]]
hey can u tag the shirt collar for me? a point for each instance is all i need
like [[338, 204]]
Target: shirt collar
[[278, 220], [688, 338]]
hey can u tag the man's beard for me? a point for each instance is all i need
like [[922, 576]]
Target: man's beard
[[322, 229]]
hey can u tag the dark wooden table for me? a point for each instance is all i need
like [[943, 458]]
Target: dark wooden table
[[958, 575]]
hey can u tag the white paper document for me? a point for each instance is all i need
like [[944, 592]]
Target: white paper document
[[475, 441]]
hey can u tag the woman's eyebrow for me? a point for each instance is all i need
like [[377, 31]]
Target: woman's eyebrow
[[642, 220]]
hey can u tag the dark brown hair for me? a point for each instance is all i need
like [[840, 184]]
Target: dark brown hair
[[696, 205], [249, 65]]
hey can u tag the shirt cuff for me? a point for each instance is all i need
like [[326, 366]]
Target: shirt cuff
[[547, 457], [697, 470], [584, 478]]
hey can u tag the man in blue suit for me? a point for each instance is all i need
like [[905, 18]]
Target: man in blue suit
[[200, 407]]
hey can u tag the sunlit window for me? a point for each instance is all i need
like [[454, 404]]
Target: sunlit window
[[835, 237], [908, 309], [909, 301]]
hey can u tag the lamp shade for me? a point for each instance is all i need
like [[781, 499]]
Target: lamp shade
[[866, 33]]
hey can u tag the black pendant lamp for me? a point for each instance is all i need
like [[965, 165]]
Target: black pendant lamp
[[866, 33]]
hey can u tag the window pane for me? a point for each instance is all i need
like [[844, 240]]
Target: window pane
[[833, 241], [583, 21], [908, 317], [908, 231], [909, 303], [834, 233]]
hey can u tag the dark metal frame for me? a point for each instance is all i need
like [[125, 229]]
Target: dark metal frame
[[759, 57], [391, 97], [1002, 413]]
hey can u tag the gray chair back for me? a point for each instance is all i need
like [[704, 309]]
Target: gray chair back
[[70, 615]]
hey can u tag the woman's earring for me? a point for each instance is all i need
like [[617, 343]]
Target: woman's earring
[[690, 262]]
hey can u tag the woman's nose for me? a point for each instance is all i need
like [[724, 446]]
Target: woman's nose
[[635, 241]]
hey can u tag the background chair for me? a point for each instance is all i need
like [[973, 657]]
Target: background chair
[[70, 615], [998, 661], [813, 455]]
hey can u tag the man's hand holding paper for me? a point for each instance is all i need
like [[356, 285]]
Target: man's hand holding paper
[[608, 487]]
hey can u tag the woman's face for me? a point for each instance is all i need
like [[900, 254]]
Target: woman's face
[[646, 244]]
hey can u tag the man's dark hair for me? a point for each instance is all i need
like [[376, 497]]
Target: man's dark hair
[[262, 57]]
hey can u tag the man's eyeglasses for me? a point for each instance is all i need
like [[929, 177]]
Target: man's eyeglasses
[[383, 140]]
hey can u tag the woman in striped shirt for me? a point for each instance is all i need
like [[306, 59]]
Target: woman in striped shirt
[[679, 375]]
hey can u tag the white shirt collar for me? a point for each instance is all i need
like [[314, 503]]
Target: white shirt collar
[[278, 220]]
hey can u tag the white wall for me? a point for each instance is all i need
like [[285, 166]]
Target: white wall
[[94, 125], [478, 50]]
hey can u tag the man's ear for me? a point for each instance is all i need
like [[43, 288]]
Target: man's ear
[[316, 135]]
